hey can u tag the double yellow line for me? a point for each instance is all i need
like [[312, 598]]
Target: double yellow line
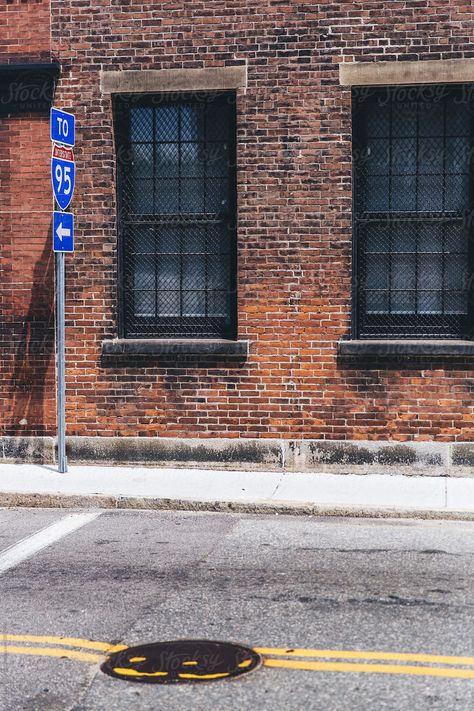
[[289, 662], [57, 651], [276, 657]]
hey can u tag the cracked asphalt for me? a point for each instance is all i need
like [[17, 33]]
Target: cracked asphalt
[[328, 585]]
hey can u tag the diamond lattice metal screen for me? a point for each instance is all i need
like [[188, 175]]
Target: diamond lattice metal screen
[[413, 211], [176, 190]]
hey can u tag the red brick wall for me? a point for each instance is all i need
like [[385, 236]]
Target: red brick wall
[[294, 232], [27, 402], [25, 31]]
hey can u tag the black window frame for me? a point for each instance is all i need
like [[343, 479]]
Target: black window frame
[[181, 327], [418, 326]]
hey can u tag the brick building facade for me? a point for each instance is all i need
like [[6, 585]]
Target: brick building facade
[[27, 400], [295, 364]]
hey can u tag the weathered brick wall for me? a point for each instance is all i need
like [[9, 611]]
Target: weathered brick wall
[[294, 232], [25, 31], [27, 401]]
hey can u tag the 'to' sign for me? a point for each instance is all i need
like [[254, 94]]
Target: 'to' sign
[[62, 127], [63, 175]]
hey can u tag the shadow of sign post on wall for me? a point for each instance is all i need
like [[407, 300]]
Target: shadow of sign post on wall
[[62, 176]]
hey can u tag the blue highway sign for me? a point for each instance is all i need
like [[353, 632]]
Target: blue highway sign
[[63, 232], [62, 127], [63, 172]]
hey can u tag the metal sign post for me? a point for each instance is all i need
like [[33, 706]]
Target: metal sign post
[[61, 374], [62, 174]]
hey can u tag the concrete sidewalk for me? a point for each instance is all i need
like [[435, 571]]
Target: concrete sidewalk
[[282, 492]]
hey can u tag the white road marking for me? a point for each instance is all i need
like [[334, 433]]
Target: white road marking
[[30, 545]]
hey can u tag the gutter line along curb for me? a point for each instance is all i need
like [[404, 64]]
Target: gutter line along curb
[[61, 501]]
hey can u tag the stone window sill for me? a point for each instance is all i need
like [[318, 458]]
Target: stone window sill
[[173, 346], [434, 348]]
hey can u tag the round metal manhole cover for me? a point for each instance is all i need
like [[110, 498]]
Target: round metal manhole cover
[[182, 661]]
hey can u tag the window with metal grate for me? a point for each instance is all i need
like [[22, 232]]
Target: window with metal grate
[[413, 198], [176, 188]]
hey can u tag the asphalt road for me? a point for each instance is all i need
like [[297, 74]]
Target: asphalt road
[[349, 587]]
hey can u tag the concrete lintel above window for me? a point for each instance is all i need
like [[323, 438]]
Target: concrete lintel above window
[[173, 346], [165, 80], [431, 71], [394, 348]]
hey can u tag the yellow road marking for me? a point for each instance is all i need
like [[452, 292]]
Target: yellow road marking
[[134, 672], [287, 663], [138, 659], [53, 652], [372, 668], [278, 663], [65, 641], [203, 676], [355, 654]]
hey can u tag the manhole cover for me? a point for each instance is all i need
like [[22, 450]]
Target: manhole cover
[[182, 661]]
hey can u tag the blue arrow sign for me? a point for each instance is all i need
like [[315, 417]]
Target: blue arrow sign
[[63, 232], [62, 127], [63, 173]]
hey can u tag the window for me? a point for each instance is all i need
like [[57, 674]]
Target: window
[[413, 211], [177, 212]]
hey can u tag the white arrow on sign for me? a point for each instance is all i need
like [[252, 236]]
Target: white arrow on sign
[[62, 231]]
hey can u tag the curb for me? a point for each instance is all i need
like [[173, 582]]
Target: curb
[[60, 501]]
